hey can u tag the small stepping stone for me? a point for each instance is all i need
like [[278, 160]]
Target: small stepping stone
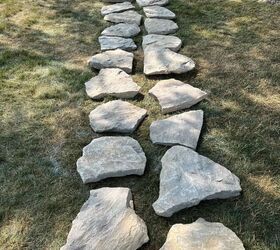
[[111, 157], [143, 3], [118, 7], [129, 16], [163, 61], [158, 12], [160, 26], [112, 59], [116, 116], [183, 129], [107, 221], [113, 42], [122, 30], [187, 178], [170, 42], [175, 95], [202, 235], [112, 82]]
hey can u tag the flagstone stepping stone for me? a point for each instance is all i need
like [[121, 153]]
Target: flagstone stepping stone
[[183, 129], [162, 61], [118, 7], [111, 157], [202, 235], [170, 42], [112, 42], [122, 30], [175, 95], [187, 178], [107, 221], [116, 116], [129, 16], [143, 3], [160, 26], [158, 12], [112, 59]]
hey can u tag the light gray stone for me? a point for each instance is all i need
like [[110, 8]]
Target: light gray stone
[[111, 156], [187, 178], [107, 221], [118, 7], [116, 1], [158, 12], [183, 129], [143, 3], [122, 30], [170, 42], [129, 16], [112, 82], [113, 42], [160, 26], [202, 235], [165, 61], [116, 116], [112, 59], [175, 95]]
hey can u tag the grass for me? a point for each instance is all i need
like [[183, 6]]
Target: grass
[[44, 111]]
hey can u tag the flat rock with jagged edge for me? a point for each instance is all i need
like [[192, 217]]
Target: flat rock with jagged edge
[[158, 12], [160, 26], [112, 42], [129, 16], [143, 3], [162, 41], [122, 30], [118, 7]]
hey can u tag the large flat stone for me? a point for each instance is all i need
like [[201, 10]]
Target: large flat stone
[[118, 7], [122, 30], [183, 129], [116, 116], [129, 16], [160, 26], [112, 42], [202, 235], [107, 221], [162, 41], [187, 178], [112, 59], [162, 61], [111, 157], [143, 3], [112, 82], [158, 12], [175, 95]]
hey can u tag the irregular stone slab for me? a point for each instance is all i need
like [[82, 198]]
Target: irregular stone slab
[[187, 178], [116, 116], [112, 42], [183, 129], [175, 95], [129, 16], [170, 42], [112, 82], [111, 157], [158, 12], [143, 3], [160, 26], [118, 7], [112, 59], [201, 235], [107, 221], [116, 1], [122, 30], [165, 61]]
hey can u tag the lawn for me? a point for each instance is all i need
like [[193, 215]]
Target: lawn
[[44, 46]]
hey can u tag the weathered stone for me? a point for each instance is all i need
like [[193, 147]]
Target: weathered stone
[[165, 61], [143, 3], [158, 12], [175, 95], [112, 59], [129, 16], [183, 129], [107, 221], [113, 82], [116, 116], [160, 26], [187, 178], [118, 7], [122, 30], [113, 42], [116, 1], [111, 157], [202, 235], [170, 42]]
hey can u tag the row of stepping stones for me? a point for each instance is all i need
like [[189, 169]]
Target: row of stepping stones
[[107, 220]]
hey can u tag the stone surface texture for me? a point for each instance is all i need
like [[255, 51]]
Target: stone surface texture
[[107, 221], [160, 26], [187, 178], [129, 16], [170, 42], [143, 3], [116, 1], [111, 43], [118, 7], [122, 30], [158, 12]]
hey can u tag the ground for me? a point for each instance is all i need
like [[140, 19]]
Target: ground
[[44, 46]]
